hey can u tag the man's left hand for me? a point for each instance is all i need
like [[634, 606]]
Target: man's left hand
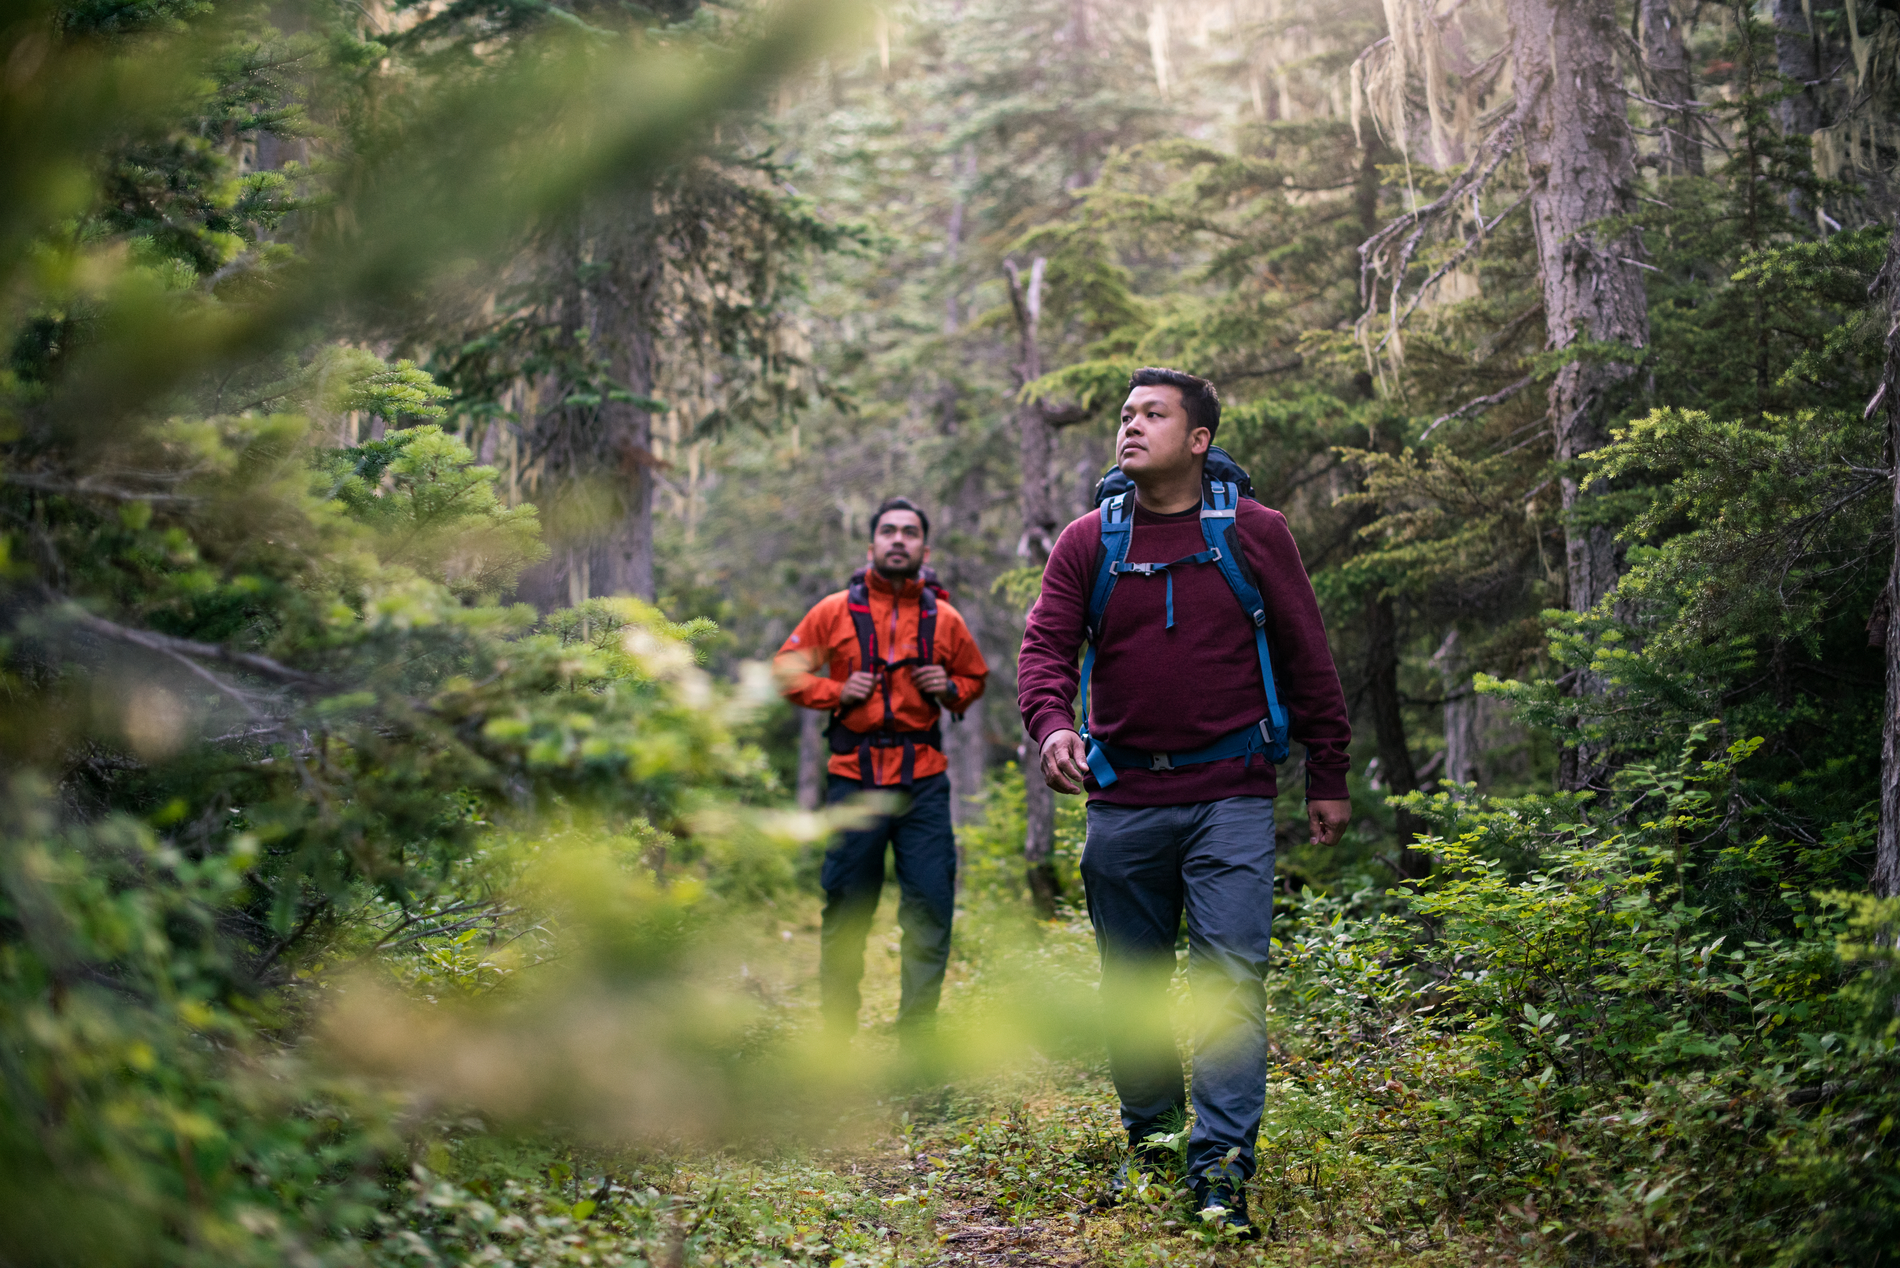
[[1327, 820], [933, 680]]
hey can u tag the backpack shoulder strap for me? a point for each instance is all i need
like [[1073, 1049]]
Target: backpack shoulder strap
[[857, 601], [927, 626], [1220, 530], [1118, 531]]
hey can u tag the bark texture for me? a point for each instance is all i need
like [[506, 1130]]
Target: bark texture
[[1035, 449], [1382, 635], [1581, 156], [1886, 878], [1666, 58], [966, 742], [1035, 437]]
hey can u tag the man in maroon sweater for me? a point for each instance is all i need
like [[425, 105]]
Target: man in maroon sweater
[[1177, 670]]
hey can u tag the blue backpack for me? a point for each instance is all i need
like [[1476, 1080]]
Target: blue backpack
[[1219, 503]]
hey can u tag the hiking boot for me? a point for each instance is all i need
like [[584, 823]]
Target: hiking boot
[[1222, 1203]]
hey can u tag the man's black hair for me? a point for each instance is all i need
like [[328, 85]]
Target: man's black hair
[[1197, 394], [900, 504]]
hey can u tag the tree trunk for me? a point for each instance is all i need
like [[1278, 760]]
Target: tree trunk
[[623, 311], [552, 435], [965, 746], [1664, 53], [1036, 445], [1388, 724], [610, 277], [1797, 57], [1464, 712], [1886, 877], [812, 754], [1035, 438], [1582, 161], [966, 742], [1382, 632]]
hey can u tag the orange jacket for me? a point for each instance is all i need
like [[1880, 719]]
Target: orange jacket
[[823, 651]]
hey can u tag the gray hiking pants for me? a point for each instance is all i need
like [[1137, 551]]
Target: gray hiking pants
[[1143, 868]]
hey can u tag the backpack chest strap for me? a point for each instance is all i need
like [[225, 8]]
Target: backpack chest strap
[[1209, 556]]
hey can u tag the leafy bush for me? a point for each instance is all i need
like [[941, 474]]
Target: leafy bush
[[1636, 1029]]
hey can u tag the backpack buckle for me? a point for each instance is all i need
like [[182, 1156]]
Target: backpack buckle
[[1159, 761]]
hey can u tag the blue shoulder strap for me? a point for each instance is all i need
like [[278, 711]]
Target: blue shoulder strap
[[1118, 531], [1217, 517]]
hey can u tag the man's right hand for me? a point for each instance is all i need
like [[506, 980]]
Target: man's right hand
[[1065, 762], [857, 688]]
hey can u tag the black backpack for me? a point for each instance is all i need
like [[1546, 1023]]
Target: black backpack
[[843, 739]]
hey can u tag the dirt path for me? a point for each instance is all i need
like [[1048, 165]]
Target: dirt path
[[972, 1229]]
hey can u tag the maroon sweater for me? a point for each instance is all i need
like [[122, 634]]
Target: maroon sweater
[[1170, 691]]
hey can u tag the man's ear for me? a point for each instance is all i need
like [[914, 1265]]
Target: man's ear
[[925, 558], [1200, 440]]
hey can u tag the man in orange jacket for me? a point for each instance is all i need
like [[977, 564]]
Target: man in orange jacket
[[885, 657]]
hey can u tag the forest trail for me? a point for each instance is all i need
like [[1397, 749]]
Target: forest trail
[[950, 1151], [970, 1227], [1015, 1166], [1015, 1175]]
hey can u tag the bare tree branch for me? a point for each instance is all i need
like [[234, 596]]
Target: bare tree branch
[[1501, 142], [1064, 413], [90, 487], [189, 649], [1498, 397], [1463, 253]]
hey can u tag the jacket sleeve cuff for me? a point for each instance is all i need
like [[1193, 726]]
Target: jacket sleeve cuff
[[1046, 724], [1326, 785]]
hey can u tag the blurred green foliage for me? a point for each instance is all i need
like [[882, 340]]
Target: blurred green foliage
[[276, 744]]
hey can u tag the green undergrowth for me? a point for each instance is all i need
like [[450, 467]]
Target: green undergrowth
[[1020, 1164], [1644, 1028], [1613, 1035]]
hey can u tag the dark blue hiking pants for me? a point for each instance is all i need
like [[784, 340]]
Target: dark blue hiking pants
[[926, 851], [1143, 868]]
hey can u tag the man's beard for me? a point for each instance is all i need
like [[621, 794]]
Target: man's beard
[[906, 573]]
